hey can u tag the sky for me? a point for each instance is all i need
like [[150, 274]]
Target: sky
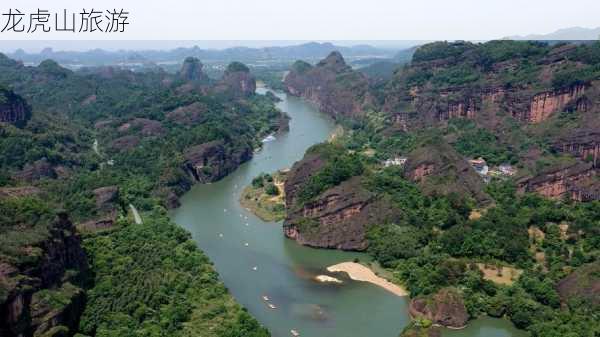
[[324, 20]]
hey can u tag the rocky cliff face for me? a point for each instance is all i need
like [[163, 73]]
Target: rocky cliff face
[[13, 108], [107, 209], [583, 144], [26, 308], [559, 182], [426, 107], [332, 85], [446, 308], [37, 170], [214, 160], [439, 169], [468, 81], [237, 81], [546, 103], [339, 217], [191, 71], [582, 284]]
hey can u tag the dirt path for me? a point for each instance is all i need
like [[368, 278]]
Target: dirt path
[[136, 216]]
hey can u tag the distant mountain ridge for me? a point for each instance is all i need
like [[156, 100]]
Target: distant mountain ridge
[[571, 33], [307, 51]]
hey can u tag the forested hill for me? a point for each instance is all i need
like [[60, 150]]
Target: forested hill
[[77, 149], [471, 175], [527, 103]]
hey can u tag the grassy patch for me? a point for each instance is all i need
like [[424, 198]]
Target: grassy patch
[[265, 197]]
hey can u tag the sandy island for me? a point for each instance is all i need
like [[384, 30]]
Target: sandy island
[[358, 272]]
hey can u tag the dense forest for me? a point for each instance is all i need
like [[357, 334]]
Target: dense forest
[[470, 174], [79, 150]]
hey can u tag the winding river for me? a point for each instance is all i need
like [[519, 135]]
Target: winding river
[[255, 260]]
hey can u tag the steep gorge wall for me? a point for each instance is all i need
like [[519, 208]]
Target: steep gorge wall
[[13, 108], [337, 218], [558, 183], [331, 85], [22, 311], [583, 144], [526, 106], [546, 103]]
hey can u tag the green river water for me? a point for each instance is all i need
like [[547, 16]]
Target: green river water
[[237, 242]]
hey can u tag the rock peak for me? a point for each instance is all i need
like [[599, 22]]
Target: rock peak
[[334, 60], [191, 70], [235, 67]]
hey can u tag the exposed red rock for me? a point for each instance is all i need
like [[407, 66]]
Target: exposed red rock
[[13, 108], [451, 173], [60, 251], [332, 85], [446, 308], [191, 70], [237, 81], [34, 171], [143, 126], [125, 143], [557, 183], [582, 284], [188, 115], [17, 192], [214, 160], [339, 217], [583, 144], [545, 104], [106, 197]]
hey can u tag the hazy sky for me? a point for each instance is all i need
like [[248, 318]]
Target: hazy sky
[[323, 19]]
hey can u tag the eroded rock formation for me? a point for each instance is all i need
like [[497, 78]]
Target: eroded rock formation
[[107, 208], [439, 169], [13, 108], [559, 182], [237, 81], [191, 114], [337, 218], [23, 312], [212, 161], [37, 170], [332, 85], [143, 126], [583, 144], [191, 70], [446, 308], [581, 285], [546, 103]]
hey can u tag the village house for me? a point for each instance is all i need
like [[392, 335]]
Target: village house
[[397, 161], [480, 165]]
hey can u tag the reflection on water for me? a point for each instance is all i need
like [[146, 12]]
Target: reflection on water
[[270, 265]]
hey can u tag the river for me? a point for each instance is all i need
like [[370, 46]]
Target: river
[[254, 259]]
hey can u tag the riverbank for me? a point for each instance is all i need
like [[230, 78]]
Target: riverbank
[[358, 272]]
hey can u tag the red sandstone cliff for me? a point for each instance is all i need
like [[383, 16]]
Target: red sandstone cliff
[[23, 312], [332, 85], [337, 218], [559, 182]]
